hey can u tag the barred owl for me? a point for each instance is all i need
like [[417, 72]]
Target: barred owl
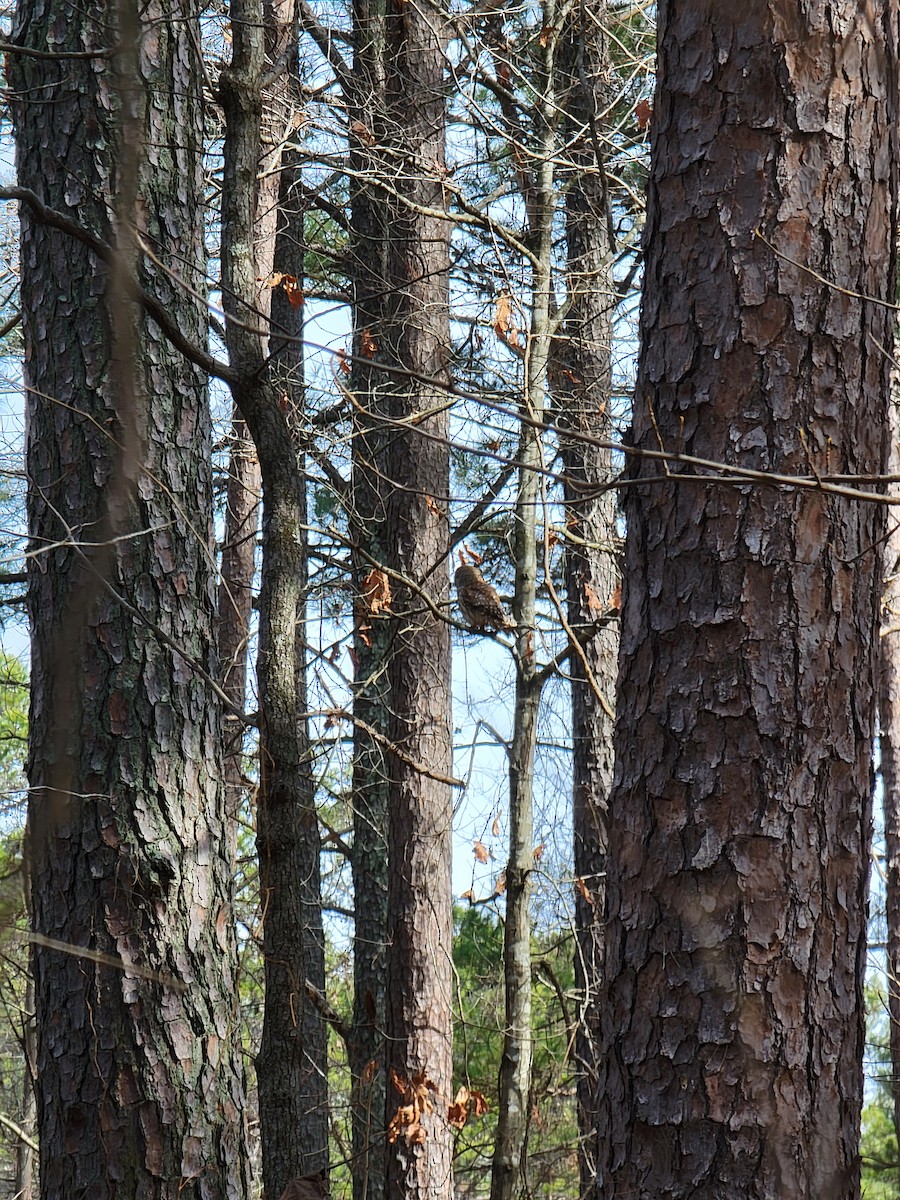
[[478, 601]]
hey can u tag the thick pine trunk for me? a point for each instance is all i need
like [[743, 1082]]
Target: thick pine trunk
[[733, 1029], [139, 1090], [417, 336]]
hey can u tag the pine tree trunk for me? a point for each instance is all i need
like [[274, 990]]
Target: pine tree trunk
[[739, 852], [368, 526], [583, 373], [402, 796], [139, 1089], [292, 1063], [417, 336]]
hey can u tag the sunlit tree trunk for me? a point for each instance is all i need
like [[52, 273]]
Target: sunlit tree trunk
[[402, 794], [139, 1089], [739, 848]]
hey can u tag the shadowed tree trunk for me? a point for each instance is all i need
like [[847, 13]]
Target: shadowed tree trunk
[[139, 1091], [889, 746], [738, 860], [583, 385], [291, 1064], [369, 532]]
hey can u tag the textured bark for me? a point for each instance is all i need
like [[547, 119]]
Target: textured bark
[[401, 481], [235, 601], [291, 1064], [583, 384], [139, 1091], [417, 336], [733, 1030], [371, 702]]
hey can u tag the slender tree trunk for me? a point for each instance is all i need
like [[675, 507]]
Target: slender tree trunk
[[402, 800], [508, 1176], [738, 861], [237, 576], [369, 531], [583, 384], [889, 746], [291, 1065], [23, 1185], [416, 331], [139, 1091]]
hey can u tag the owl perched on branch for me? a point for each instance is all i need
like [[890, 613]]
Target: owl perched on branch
[[478, 601]]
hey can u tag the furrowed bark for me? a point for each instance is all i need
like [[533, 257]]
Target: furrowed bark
[[738, 862], [291, 1064], [139, 1088], [583, 370]]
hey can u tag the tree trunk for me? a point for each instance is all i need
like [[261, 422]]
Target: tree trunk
[[371, 701], [738, 860], [889, 747], [416, 330], [139, 1091], [583, 385], [402, 799], [508, 1173], [291, 1064]]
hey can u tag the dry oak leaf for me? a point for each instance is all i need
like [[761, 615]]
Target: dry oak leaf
[[458, 1111], [368, 347], [504, 323], [481, 851], [643, 111], [375, 592], [416, 1100], [495, 828]]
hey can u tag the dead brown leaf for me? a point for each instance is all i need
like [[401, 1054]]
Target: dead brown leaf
[[375, 592], [594, 603], [307, 1187], [481, 851], [458, 1111], [504, 323]]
